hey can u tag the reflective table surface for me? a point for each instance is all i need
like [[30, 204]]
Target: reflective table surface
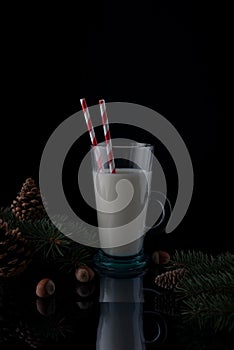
[[107, 313]]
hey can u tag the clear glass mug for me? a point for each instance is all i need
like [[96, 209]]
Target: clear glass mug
[[122, 198]]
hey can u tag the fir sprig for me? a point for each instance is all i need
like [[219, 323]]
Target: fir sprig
[[194, 260], [49, 243], [206, 293], [45, 238], [206, 283], [77, 255]]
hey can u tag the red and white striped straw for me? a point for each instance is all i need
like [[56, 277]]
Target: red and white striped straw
[[91, 132], [105, 123]]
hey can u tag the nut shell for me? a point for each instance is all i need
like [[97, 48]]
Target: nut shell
[[84, 274], [160, 257], [45, 288]]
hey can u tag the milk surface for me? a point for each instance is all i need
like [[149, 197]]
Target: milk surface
[[122, 210]]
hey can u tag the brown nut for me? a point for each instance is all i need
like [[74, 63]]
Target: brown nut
[[84, 274], [45, 288], [160, 257]]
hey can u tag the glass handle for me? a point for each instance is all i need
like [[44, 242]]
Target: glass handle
[[161, 199], [161, 332]]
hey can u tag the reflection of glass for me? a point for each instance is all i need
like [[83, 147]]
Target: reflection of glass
[[121, 315]]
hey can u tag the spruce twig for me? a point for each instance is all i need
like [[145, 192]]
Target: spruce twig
[[77, 255], [45, 238], [49, 243], [206, 293]]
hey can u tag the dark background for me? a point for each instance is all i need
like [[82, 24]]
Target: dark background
[[159, 54]]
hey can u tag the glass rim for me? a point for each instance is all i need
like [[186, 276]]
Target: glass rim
[[134, 145]]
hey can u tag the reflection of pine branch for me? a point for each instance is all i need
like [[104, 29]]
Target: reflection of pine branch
[[37, 333], [6, 334], [166, 304], [215, 311], [194, 338], [206, 293]]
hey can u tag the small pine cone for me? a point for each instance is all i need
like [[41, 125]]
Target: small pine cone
[[170, 279], [15, 252], [28, 204]]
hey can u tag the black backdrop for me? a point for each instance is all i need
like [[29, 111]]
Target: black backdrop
[[158, 54]]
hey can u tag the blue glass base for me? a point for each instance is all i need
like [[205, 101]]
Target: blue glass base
[[120, 267]]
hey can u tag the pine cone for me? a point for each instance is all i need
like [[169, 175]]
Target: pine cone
[[28, 204], [15, 253], [170, 279]]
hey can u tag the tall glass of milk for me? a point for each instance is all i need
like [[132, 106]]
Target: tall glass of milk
[[122, 197]]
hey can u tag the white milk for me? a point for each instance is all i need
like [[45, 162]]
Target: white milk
[[115, 212]]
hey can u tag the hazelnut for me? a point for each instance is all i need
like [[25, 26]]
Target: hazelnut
[[45, 288], [84, 274], [160, 257]]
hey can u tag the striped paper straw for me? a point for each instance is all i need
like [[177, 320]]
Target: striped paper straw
[[107, 135], [91, 132]]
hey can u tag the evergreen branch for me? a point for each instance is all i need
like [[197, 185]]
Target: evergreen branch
[[72, 228], [45, 238], [197, 261], [206, 283], [206, 292], [49, 243], [191, 258], [76, 256]]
